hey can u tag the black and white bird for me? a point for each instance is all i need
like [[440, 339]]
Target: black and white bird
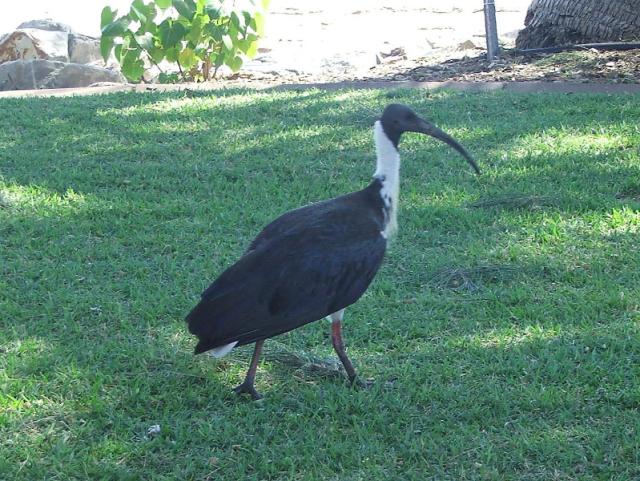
[[311, 262]]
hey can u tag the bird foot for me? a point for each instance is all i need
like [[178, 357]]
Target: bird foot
[[247, 388], [362, 383]]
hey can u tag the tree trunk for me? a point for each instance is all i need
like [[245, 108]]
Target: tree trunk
[[560, 22]]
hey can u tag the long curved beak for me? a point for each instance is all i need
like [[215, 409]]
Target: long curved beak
[[430, 129]]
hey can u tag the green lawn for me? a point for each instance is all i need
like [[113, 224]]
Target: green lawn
[[503, 331]]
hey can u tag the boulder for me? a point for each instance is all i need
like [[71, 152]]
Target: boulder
[[23, 74], [44, 54], [43, 74], [84, 49], [46, 24], [78, 75], [31, 43]]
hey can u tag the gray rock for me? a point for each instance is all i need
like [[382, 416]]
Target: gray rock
[[84, 49], [46, 24], [31, 43], [392, 55], [77, 75], [38, 74], [24, 74]]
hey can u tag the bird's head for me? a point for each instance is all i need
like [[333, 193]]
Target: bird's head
[[398, 119]]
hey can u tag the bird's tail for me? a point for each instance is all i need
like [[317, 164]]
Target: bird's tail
[[204, 345], [200, 324]]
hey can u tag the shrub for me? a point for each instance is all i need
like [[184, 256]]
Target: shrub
[[198, 35]]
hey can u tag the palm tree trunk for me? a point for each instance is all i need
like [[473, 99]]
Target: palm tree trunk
[[560, 22]]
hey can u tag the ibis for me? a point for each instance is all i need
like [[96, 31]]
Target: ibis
[[311, 262]]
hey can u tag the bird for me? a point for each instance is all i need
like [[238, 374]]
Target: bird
[[312, 262]]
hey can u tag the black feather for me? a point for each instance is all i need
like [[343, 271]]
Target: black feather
[[305, 265]]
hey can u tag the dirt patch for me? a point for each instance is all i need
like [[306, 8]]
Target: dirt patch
[[582, 66], [589, 66]]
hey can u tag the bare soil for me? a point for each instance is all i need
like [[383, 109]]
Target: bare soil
[[588, 66], [580, 66]]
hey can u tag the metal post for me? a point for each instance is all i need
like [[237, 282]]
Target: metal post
[[491, 29]]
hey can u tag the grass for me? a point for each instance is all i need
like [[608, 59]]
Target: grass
[[117, 211]]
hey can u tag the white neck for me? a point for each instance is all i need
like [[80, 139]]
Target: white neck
[[388, 171]]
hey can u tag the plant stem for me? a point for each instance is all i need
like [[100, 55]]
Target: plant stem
[[206, 68], [180, 70], [153, 62]]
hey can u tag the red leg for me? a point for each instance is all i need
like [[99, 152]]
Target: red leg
[[247, 384], [338, 345]]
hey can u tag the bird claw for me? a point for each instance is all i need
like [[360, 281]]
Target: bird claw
[[247, 388], [362, 383]]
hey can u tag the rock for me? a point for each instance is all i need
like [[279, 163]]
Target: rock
[[84, 49], [39, 74], [394, 52], [467, 45], [29, 43], [47, 54], [46, 24], [24, 74], [393, 55], [77, 75], [153, 430]]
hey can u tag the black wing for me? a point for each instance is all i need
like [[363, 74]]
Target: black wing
[[304, 266]]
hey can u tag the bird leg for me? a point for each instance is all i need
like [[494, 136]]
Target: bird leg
[[338, 344], [247, 384]]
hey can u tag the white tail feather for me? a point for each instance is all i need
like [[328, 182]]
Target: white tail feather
[[222, 350]]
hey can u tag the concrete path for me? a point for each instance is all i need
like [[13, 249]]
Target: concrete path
[[516, 87]]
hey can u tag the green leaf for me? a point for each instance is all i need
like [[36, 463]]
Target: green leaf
[[226, 40], [218, 60], [235, 63], [156, 54], [172, 54], [137, 11], [259, 23], [163, 4], [145, 41], [185, 8], [169, 78], [124, 48], [116, 28], [214, 31], [213, 12], [107, 16], [236, 21], [252, 50], [187, 58], [194, 33], [132, 66], [143, 13], [233, 32], [171, 34], [106, 44], [247, 17]]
